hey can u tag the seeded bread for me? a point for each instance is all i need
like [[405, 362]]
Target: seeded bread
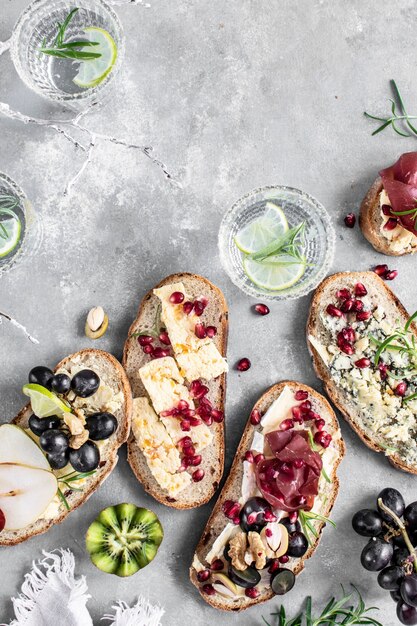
[[232, 491], [111, 372], [379, 293], [216, 314], [370, 221]]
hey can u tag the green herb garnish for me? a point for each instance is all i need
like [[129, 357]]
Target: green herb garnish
[[7, 205], [70, 49], [69, 478], [290, 243], [306, 519], [395, 118], [336, 612], [155, 331]]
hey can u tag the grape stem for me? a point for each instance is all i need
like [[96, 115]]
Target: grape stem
[[402, 528]]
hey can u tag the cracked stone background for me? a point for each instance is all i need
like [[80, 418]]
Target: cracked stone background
[[231, 96]]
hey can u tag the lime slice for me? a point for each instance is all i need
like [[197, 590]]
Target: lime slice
[[13, 228], [93, 72], [273, 275], [262, 231], [44, 402]]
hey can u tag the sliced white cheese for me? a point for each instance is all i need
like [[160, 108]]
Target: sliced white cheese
[[249, 486], [258, 442], [205, 362], [197, 564], [279, 410], [320, 349], [218, 546]]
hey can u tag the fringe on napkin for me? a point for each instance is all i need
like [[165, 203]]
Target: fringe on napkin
[[59, 563], [141, 614]]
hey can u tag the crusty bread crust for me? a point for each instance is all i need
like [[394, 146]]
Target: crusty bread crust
[[370, 221], [314, 327], [99, 361], [232, 488], [215, 314]]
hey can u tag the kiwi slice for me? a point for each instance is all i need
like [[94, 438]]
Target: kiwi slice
[[123, 539]]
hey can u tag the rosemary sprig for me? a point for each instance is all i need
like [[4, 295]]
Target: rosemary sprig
[[336, 612], [290, 243], [400, 117], [69, 49], [7, 205], [306, 519], [69, 478], [155, 331]]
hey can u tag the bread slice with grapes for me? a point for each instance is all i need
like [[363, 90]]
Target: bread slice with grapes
[[228, 529], [214, 316], [116, 385], [375, 404]]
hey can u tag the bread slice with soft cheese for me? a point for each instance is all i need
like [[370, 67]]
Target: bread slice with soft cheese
[[278, 400], [385, 304], [396, 242], [116, 383], [189, 494]]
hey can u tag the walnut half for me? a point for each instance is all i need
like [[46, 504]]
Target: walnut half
[[257, 550], [237, 549]]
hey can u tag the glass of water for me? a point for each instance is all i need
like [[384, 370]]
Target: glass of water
[[52, 76]]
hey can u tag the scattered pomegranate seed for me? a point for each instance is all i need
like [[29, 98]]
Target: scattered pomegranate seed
[[148, 348], [183, 405], [208, 589], [322, 438], [273, 566], [357, 306], [362, 363], [203, 575], [383, 370], [243, 364], [346, 347], [185, 442], [218, 416], [198, 475], [163, 338], [255, 417], [284, 558], [312, 415], [391, 224], [297, 414], [400, 389], [189, 450], [301, 395], [231, 509], [211, 331], [196, 460], [195, 421], [333, 311], [185, 464], [176, 297], [188, 413], [360, 290], [145, 340], [236, 521], [249, 456], [305, 406], [350, 220], [320, 424], [349, 334], [200, 330], [252, 593], [198, 390], [217, 565], [386, 209], [160, 353], [269, 516], [299, 463], [188, 307], [252, 517], [363, 316], [258, 458], [347, 305], [287, 424], [262, 309], [2, 520], [293, 516], [343, 294], [381, 269], [391, 275], [199, 307], [207, 419], [185, 425]]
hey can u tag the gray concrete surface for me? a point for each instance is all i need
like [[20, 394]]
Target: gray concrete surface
[[231, 96]]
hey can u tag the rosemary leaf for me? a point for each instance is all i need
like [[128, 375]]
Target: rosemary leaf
[[71, 54], [400, 117], [63, 499], [70, 49]]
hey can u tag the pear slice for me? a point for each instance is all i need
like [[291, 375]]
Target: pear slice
[[25, 492], [18, 448]]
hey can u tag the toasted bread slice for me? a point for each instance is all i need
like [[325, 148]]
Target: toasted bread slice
[[232, 491], [112, 374], [379, 295], [370, 221], [216, 314]]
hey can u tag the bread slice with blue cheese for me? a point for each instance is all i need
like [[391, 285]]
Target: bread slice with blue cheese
[[165, 381]]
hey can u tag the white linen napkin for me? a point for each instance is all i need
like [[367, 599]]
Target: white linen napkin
[[52, 595]]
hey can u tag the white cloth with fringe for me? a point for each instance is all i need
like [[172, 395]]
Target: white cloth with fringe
[[51, 595]]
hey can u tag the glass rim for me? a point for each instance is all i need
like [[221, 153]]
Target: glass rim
[[252, 290], [61, 96]]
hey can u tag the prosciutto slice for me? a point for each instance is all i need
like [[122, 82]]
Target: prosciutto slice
[[400, 183], [284, 485]]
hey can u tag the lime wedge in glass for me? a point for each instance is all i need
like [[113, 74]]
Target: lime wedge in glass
[[274, 274], [44, 403], [263, 230], [93, 72], [8, 243]]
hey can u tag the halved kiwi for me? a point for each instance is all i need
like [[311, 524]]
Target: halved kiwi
[[123, 539]]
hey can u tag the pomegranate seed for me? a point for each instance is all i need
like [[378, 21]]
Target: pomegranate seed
[[383, 370], [301, 500], [168, 413], [187, 307], [188, 413], [211, 331], [252, 517], [203, 575], [217, 416], [320, 424], [189, 450], [258, 458], [198, 390], [287, 424], [185, 442], [185, 464], [269, 516], [346, 347], [297, 415], [322, 438], [284, 558], [207, 419], [200, 330], [148, 348], [229, 507], [358, 306], [391, 275], [185, 425], [293, 516], [243, 365], [391, 224], [305, 406], [350, 220], [400, 389], [381, 269], [348, 333], [312, 415], [252, 593], [236, 521], [360, 290], [333, 311], [362, 363], [386, 209], [301, 395], [194, 421], [176, 297], [198, 475], [347, 305], [255, 417], [163, 338], [196, 460], [299, 463], [363, 316], [262, 309], [145, 340], [208, 590], [159, 353], [183, 405], [217, 565], [343, 294], [273, 566], [249, 456], [268, 532], [199, 308]]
